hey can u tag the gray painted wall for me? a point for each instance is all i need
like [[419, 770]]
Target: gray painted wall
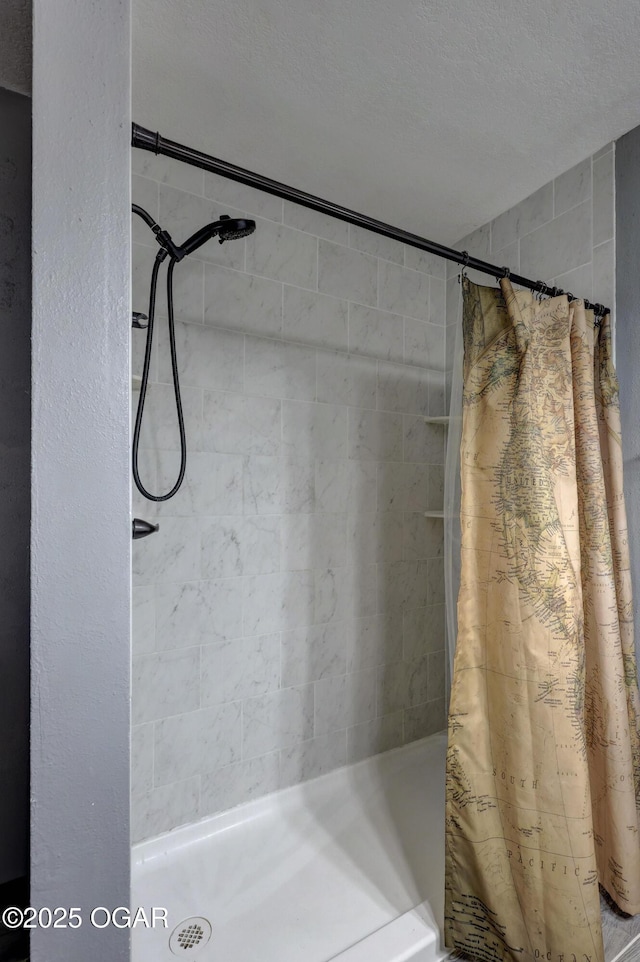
[[81, 529], [15, 432], [628, 336]]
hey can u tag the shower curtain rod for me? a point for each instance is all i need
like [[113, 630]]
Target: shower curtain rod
[[149, 140]]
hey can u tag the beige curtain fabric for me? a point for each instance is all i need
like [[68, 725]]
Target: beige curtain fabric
[[543, 741]]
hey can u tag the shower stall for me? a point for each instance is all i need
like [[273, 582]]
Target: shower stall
[[290, 671], [289, 629]]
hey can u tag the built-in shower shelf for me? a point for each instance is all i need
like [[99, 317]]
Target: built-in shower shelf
[[434, 514], [135, 383], [444, 419]]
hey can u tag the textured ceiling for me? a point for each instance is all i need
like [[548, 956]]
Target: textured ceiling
[[433, 116]]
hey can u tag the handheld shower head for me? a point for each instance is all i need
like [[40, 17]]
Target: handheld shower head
[[227, 228], [234, 228]]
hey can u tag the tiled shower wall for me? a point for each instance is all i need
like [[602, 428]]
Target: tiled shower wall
[[289, 613], [563, 234]]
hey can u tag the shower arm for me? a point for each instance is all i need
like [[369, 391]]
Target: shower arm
[[149, 140]]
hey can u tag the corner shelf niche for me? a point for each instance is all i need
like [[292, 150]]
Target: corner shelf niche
[[440, 419]]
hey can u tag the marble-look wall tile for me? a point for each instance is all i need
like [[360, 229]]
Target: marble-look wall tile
[[402, 685], [375, 435], [236, 546], [213, 484], [578, 282], [423, 632], [423, 344], [234, 424], [284, 254], [285, 562], [198, 613], [316, 223], [165, 170], [376, 333], [403, 291], [313, 541], [313, 758], [233, 784], [278, 720], [526, 216], [559, 246], [374, 641], [478, 244], [171, 555], [141, 759], [278, 485], [405, 584], [342, 594], [309, 654], [436, 674], [403, 388], [344, 700], [378, 735], [403, 487], [603, 201], [370, 243], [572, 187], [234, 670], [346, 486], [347, 273], [423, 441], [315, 318], [143, 619], [241, 197], [423, 261], [277, 602], [374, 536], [310, 430], [422, 537], [243, 302], [437, 298], [165, 683], [209, 359], [347, 379], [278, 369], [160, 422], [434, 584], [436, 487], [187, 745], [425, 719], [161, 809], [438, 400], [604, 273]]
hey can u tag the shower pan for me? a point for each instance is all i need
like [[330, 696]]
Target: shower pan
[[347, 868]]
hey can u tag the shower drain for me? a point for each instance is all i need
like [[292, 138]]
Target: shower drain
[[189, 936]]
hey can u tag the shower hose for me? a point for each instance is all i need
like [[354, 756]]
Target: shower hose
[[160, 257]]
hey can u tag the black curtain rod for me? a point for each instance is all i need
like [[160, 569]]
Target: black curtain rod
[[149, 140]]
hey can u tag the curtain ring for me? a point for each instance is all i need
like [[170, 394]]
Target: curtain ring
[[506, 274], [570, 296], [465, 263]]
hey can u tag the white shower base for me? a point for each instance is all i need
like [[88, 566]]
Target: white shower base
[[348, 867]]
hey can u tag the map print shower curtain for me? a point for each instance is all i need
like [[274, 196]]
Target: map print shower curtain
[[543, 762]]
